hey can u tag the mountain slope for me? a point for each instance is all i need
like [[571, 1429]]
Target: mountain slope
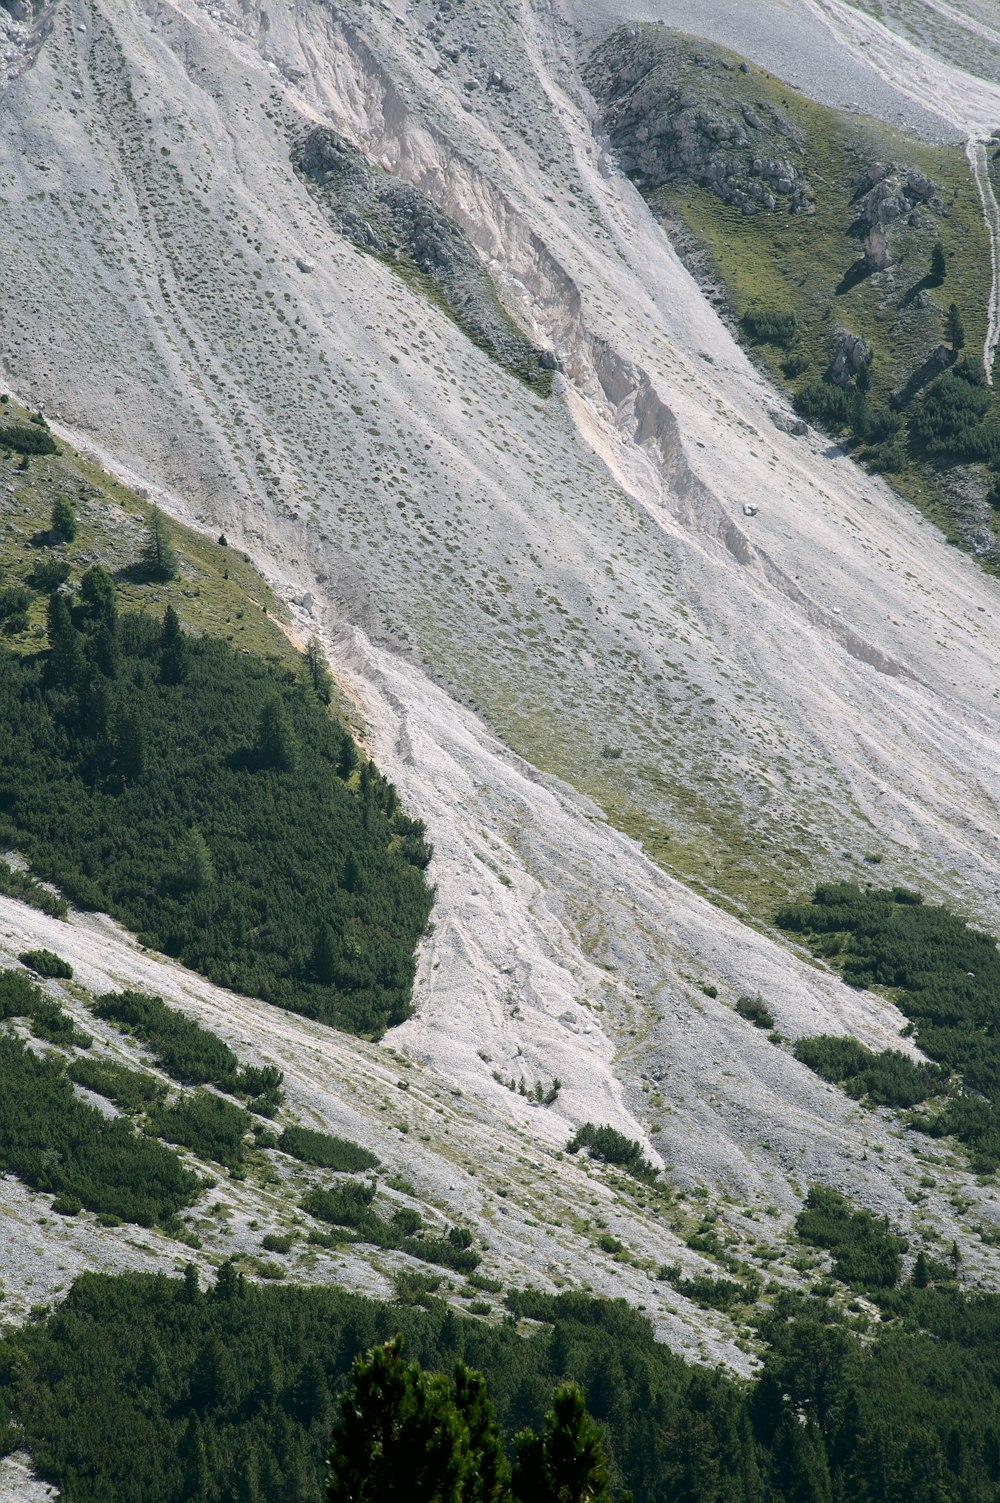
[[563, 628]]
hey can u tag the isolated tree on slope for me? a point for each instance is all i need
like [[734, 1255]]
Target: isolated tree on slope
[[955, 329], [938, 265], [159, 561], [64, 518]]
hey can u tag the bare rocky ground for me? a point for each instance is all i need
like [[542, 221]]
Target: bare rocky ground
[[549, 611]]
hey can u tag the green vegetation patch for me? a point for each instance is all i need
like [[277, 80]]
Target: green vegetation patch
[[855, 259], [350, 1205], [612, 1147], [60, 1146], [133, 1091], [889, 1078], [756, 1011], [208, 800], [142, 1386], [213, 1128], [183, 1048], [20, 997], [46, 963], [944, 975], [27, 438], [16, 884], [866, 1254], [325, 1150]]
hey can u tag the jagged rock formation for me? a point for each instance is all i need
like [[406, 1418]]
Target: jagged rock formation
[[888, 200], [671, 115], [404, 227]]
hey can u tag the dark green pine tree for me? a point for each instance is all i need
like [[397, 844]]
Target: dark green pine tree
[[400, 1439], [64, 518], [246, 1485], [348, 759], [938, 264], [310, 1396], [65, 666], [98, 605], [275, 746], [104, 652], [489, 1477], [159, 559], [566, 1463], [194, 1463], [173, 649], [323, 961], [954, 328]]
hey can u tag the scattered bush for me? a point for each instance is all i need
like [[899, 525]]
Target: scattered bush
[[755, 1010], [770, 326], [612, 1147], [187, 1051], [26, 438], [46, 963], [821, 403], [275, 1242], [15, 884]]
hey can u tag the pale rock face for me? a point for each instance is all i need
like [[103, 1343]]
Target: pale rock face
[[546, 609]]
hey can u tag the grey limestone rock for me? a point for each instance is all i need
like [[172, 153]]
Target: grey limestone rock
[[850, 353], [398, 223], [667, 125]]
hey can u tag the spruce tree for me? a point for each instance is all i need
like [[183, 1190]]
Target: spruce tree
[[98, 600], [194, 870], [173, 649], [323, 962], [938, 265], [64, 518], [318, 673], [275, 746], [159, 560], [65, 666], [954, 328]]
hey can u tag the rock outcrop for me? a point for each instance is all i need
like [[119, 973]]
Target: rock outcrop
[[396, 222], [672, 116]]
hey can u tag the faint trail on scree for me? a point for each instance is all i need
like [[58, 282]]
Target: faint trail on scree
[[976, 153]]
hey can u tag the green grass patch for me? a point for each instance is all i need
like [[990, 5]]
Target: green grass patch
[[791, 260]]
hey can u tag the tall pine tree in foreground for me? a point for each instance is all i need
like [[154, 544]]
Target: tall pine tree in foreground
[[407, 1436]]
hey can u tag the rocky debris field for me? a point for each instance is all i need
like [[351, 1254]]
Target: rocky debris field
[[634, 716]]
